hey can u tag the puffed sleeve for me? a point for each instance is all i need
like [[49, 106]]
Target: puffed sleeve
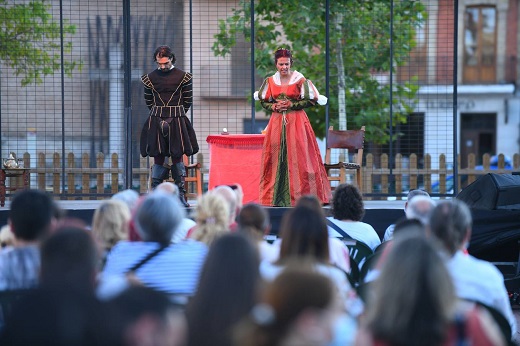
[[148, 94], [187, 91], [311, 93], [264, 96]]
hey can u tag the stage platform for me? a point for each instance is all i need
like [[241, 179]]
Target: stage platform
[[379, 214]]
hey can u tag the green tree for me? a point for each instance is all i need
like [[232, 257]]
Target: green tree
[[30, 40], [359, 48]]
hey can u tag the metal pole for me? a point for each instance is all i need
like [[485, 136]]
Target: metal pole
[[252, 13], [62, 104], [327, 63], [127, 66], [391, 96], [455, 97]]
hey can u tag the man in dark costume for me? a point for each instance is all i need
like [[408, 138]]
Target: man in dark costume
[[168, 92]]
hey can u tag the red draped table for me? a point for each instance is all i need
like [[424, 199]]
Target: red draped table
[[236, 159]]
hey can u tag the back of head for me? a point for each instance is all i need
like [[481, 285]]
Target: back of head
[[128, 196], [110, 222], [418, 309], [450, 222], [347, 203], [420, 208], [408, 227], [218, 305], [416, 192], [168, 187], [142, 313], [310, 201], [31, 214], [284, 300], [158, 216], [304, 234], [69, 260], [57, 318], [211, 216], [230, 196], [254, 218]]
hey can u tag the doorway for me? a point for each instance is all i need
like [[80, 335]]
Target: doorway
[[477, 136]]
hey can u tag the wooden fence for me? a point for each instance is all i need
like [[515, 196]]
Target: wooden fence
[[85, 182], [443, 173]]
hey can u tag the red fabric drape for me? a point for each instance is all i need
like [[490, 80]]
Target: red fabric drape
[[236, 159]]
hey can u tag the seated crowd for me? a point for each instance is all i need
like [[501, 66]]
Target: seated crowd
[[146, 273]]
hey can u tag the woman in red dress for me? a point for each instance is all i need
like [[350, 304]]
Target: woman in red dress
[[291, 161]]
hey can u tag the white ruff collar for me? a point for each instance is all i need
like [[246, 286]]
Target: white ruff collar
[[295, 77]]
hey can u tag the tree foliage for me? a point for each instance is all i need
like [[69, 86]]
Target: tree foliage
[[30, 40], [360, 46]]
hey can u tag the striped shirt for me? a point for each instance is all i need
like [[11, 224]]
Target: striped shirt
[[175, 270], [19, 268]]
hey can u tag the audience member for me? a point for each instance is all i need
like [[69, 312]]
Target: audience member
[[233, 195], [212, 218], [228, 288], [421, 210], [154, 261], [347, 212], [144, 316], [291, 313], [187, 223], [128, 196], [474, 279], [31, 219], [6, 238], [305, 238], [63, 309], [338, 252], [413, 302], [110, 224], [253, 220], [69, 260], [58, 318]]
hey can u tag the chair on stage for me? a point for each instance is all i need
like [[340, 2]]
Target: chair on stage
[[354, 141], [193, 178]]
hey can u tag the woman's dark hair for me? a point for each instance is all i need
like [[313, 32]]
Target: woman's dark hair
[[297, 289], [304, 234], [164, 52], [253, 220], [419, 309], [227, 290], [283, 53], [347, 203]]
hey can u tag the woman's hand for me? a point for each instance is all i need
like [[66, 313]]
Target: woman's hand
[[282, 105]]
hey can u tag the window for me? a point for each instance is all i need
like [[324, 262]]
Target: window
[[480, 45]]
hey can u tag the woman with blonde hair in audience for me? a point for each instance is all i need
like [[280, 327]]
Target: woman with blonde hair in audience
[[413, 302], [212, 217], [110, 224], [300, 307]]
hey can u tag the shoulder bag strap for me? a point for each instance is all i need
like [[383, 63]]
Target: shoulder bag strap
[[147, 258], [338, 229]]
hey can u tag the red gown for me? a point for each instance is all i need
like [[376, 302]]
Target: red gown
[[291, 160]]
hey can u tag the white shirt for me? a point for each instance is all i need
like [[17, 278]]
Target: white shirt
[[181, 231], [480, 281], [357, 230]]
